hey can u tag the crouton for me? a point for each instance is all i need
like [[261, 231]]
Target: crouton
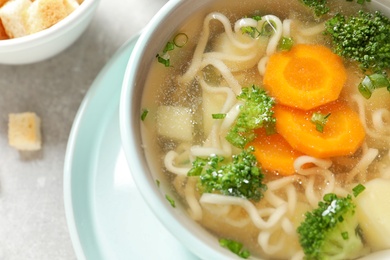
[[24, 131]]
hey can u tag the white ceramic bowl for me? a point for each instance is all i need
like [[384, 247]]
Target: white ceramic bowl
[[152, 40], [47, 43]]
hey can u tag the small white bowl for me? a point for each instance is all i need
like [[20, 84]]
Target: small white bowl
[[49, 42], [152, 40]]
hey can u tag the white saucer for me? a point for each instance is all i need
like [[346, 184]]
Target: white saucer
[[107, 217]]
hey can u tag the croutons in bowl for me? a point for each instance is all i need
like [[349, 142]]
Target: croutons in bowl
[[35, 30]]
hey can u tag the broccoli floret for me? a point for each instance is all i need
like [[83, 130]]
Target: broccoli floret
[[320, 7], [256, 112], [364, 38], [331, 231], [239, 177]]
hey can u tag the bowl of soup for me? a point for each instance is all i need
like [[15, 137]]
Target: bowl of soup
[[259, 129]]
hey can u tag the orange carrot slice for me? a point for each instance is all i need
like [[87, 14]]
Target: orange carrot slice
[[342, 135], [274, 153], [305, 77]]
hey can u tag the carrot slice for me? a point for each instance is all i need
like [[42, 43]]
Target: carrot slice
[[274, 153], [305, 77], [342, 135]]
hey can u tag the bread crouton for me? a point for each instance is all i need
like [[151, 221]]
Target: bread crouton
[[24, 131], [13, 17], [43, 14]]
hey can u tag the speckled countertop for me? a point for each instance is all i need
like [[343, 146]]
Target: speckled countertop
[[32, 216]]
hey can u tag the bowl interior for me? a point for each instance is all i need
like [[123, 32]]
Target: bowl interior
[[173, 16]]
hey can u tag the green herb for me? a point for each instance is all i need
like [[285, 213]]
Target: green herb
[[171, 201], [251, 31], [358, 189], [165, 61], [239, 177], [267, 29], [178, 41], [255, 112], [158, 183], [372, 82], [286, 43], [257, 17], [144, 114], [170, 46], [218, 116], [320, 121], [235, 247]]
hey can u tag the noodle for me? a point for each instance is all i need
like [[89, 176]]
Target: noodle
[[257, 219], [193, 204]]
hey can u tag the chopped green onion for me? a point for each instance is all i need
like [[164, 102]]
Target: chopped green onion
[[372, 82], [170, 46], [320, 121], [158, 183], [257, 17], [253, 32], [144, 114], [286, 43], [180, 40], [358, 189], [165, 62], [234, 247], [345, 235], [171, 201], [218, 116]]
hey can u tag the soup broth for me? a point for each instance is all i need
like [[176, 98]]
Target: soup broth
[[211, 60]]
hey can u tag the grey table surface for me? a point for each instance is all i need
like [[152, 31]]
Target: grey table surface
[[32, 216]]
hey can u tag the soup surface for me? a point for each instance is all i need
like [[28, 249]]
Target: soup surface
[[253, 115]]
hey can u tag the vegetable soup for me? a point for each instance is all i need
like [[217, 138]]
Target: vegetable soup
[[270, 120]]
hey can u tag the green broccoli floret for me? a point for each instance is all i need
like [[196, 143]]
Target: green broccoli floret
[[256, 112], [332, 231], [320, 7], [364, 38], [239, 177]]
